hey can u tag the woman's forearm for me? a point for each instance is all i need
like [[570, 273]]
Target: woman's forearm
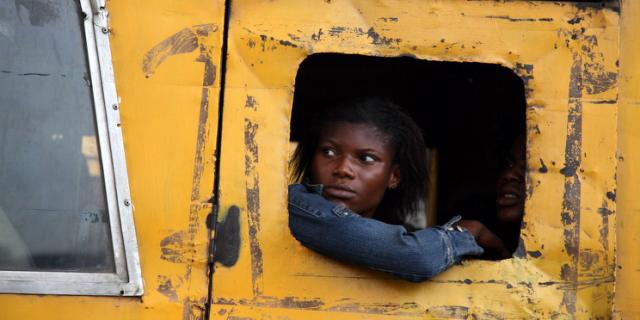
[[339, 233]]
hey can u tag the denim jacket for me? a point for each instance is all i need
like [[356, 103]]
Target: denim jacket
[[340, 233]]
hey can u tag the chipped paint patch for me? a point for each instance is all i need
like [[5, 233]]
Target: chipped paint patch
[[174, 247], [193, 310], [509, 18], [449, 312], [596, 78], [253, 203], [251, 102], [525, 72], [182, 42], [572, 187], [167, 288]]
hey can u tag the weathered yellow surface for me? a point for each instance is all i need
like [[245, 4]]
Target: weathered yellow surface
[[162, 52], [166, 56], [627, 300], [567, 56]]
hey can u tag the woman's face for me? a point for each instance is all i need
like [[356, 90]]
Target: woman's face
[[354, 162]]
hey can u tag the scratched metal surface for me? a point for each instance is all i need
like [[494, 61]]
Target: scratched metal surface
[[165, 57], [567, 56]]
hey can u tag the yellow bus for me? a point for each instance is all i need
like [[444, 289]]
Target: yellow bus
[[145, 148]]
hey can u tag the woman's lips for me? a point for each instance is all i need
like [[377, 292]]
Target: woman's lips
[[509, 196], [508, 199], [339, 192]]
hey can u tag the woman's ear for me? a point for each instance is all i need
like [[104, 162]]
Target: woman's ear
[[394, 177]]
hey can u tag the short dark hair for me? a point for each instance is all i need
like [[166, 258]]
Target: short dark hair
[[404, 136]]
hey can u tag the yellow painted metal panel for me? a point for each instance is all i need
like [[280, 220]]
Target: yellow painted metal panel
[[166, 56], [627, 301], [567, 56]]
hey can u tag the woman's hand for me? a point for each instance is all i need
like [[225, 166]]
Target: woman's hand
[[491, 243]]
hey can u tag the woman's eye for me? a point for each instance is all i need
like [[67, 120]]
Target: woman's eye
[[367, 158], [328, 152], [509, 162]]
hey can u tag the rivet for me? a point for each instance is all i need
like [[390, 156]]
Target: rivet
[[105, 30], [127, 202], [115, 107]]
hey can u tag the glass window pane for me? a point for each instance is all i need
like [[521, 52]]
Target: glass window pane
[[53, 208]]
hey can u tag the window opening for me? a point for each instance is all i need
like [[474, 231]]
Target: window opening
[[470, 114]]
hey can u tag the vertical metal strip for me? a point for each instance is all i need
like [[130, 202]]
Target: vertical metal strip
[[218, 152]]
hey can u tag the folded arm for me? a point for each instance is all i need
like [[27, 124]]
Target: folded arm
[[337, 232]]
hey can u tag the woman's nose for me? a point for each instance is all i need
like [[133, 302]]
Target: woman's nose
[[515, 173], [343, 168]]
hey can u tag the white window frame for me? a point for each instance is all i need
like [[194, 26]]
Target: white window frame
[[127, 278]]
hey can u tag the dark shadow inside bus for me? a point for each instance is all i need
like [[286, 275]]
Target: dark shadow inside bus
[[470, 114]]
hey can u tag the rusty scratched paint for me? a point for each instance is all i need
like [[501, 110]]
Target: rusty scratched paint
[[184, 41], [572, 187], [167, 288], [504, 17], [193, 310], [253, 203], [596, 78], [174, 246], [178, 247], [251, 102], [269, 43], [449, 312], [525, 72], [408, 309]]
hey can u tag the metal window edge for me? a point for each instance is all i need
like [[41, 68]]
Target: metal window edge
[[127, 279]]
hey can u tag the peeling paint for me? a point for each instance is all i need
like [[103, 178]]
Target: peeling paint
[[174, 247], [503, 17], [253, 203], [596, 78], [336, 31], [543, 167], [525, 72], [572, 187], [376, 38], [166, 288], [184, 41], [193, 310], [587, 259], [251, 102], [317, 36], [389, 19]]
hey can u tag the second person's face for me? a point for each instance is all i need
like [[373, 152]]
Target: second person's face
[[354, 162], [511, 184]]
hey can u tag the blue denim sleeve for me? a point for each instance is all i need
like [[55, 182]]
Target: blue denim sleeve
[[338, 232]]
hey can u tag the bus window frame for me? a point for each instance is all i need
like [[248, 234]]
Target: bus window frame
[[127, 278]]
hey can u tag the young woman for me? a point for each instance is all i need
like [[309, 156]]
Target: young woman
[[364, 167]]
